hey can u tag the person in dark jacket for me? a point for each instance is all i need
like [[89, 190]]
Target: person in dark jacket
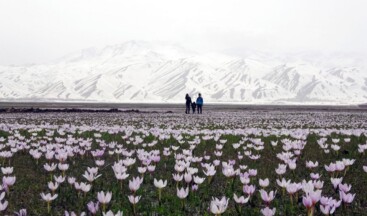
[[199, 104], [193, 106], [188, 103]]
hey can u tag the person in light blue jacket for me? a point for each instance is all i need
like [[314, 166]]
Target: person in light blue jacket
[[199, 104]]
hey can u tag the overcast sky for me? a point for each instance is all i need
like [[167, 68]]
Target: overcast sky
[[35, 31]]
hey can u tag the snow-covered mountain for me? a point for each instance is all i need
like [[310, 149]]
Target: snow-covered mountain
[[146, 72]]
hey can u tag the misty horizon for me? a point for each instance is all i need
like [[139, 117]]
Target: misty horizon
[[305, 55], [42, 31]]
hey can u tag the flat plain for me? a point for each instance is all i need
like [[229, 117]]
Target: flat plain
[[227, 161]]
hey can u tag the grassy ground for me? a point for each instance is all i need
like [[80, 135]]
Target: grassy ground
[[32, 178]]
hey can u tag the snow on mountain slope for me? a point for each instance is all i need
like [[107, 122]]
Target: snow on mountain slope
[[159, 72]]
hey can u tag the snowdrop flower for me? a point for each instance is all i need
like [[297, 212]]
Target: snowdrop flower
[[99, 162], [219, 147], [3, 205], [267, 197], [264, 183], [244, 178], [284, 183], [308, 186], [192, 170], [335, 140], [331, 167], [335, 147], [241, 199], [212, 171], [315, 196], [346, 197], [63, 167], [310, 164], [327, 210], [48, 198], [268, 211], [53, 186], [188, 177], [249, 189], [7, 170], [292, 165], [216, 162], [59, 179], [90, 176], [179, 168], [22, 212], [252, 172], [135, 183], [160, 184], [9, 180], [307, 202], [110, 213], [339, 166], [345, 187], [315, 176], [151, 168], [93, 207], [134, 199], [243, 167], [274, 143], [229, 171], [292, 188], [348, 162], [142, 170], [85, 187], [282, 168], [71, 180], [175, 148], [182, 193], [217, 206], [66, 213], [318, 184], [236, 145], [336, 181], [2, 196], [77, 186], [49, 167], [177, 177], [121, 176], [198, 180], [194, 187], [92, 170], [103, 197]]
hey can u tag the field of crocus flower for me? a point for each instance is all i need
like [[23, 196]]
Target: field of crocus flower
[[218, 163]]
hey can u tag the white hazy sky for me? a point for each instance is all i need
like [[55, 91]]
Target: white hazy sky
[[36, 31]]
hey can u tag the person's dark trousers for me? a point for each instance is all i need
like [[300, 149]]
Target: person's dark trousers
[[187, 109], [193, 111], [200, 109]]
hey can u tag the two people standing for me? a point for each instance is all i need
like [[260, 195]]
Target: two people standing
[[199, 104]]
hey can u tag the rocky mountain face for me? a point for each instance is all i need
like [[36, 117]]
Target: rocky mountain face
[[136, 72]]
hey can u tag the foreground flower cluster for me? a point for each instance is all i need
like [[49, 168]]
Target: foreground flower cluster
[[219, 164]]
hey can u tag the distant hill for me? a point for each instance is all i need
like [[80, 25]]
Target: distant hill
[[145, 72]]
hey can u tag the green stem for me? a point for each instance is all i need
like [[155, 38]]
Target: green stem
[[134, 209], [291, 200]]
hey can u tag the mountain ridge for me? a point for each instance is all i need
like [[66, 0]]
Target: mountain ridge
[[142, 72]]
